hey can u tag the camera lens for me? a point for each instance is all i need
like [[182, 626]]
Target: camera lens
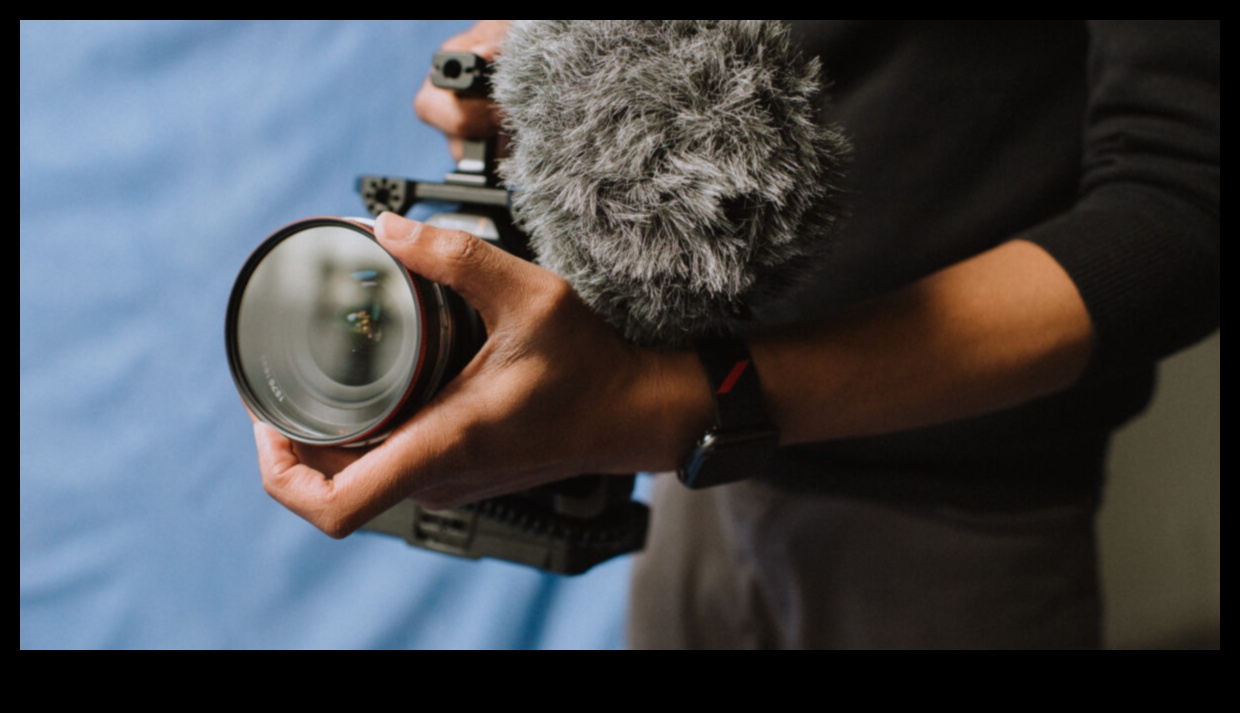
[[331, 340]]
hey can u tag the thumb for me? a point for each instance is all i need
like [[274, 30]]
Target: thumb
[[487, 277]]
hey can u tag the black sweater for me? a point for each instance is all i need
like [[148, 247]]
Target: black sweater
[[1098, 141]]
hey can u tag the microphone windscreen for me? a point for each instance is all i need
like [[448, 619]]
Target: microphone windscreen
[[673, 171]]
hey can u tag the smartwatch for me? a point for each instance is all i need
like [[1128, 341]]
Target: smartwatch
[[742, 442]]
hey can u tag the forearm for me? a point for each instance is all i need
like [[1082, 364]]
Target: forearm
[[1004, 327]]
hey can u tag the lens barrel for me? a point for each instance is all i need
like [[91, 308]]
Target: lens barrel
[[332, 341]]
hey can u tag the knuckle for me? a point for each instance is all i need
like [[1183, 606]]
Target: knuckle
[[323, 509], [270, 487], [334, 518], [336, 527], [442, 244], [406, 232], [456, 247], [276, 482]]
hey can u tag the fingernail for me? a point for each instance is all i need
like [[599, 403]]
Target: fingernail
[[391, 227], [486, 50]]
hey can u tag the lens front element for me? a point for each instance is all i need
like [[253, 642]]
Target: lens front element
[[329, 336]]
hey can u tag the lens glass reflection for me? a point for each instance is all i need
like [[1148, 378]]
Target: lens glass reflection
[[328, 333]]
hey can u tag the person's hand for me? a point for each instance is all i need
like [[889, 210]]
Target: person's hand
[[554, 392], [461, 118]]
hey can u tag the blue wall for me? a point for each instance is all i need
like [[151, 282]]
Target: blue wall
[[154, 157]]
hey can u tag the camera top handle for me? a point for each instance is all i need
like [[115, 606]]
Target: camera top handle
[[474, 184]]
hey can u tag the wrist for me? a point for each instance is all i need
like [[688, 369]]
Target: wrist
[[678, 406]]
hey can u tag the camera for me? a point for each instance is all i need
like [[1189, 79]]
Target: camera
[[334, 342]]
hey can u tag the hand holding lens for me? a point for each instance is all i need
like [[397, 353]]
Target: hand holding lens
[[334, 342]]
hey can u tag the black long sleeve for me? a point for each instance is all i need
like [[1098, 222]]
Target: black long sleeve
[[1099, 141]]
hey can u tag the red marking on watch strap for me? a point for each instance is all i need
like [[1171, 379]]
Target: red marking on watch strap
[[733, 377]]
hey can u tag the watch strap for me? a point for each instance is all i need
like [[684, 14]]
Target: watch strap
[[734, 384], [743, 440]]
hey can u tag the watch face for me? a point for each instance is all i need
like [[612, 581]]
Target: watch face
[[728, 456]]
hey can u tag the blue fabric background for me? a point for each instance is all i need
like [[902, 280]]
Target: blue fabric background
[[154, 157]]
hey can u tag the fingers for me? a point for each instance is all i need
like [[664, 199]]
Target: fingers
[[485, 38], [491, 280], [458, 117], [424, 455], [307, 492], [338, 504]]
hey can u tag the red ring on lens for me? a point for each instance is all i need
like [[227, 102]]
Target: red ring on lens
[[418, 386]]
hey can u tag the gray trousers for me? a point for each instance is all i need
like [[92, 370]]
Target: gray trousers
[[748, 566]]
